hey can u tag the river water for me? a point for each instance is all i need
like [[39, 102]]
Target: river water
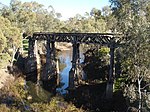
[[65, 58]]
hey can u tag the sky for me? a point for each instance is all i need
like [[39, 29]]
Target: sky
[[69, 8]]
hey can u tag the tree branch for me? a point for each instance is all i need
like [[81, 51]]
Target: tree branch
[[145, 86]]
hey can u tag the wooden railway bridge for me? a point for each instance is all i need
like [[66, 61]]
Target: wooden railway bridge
[[103, 39]]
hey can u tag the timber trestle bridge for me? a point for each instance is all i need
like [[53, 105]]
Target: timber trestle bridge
[[104, 39]]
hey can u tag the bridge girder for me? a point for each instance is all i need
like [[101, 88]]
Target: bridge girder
[[104, 39]]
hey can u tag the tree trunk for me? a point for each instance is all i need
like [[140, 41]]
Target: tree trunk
[[140, 94], [13, 56]]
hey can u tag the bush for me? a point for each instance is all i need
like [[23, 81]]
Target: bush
[[14, 98], [4, 59]]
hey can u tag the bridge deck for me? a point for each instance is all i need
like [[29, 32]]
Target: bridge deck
[[88, 38]]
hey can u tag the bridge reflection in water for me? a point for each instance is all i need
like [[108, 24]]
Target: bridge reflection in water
[[65, 61]]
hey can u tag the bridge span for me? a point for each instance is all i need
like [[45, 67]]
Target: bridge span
[[104, 39]]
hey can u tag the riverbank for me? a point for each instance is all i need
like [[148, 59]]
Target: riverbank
[[15, 96], [4, 77]]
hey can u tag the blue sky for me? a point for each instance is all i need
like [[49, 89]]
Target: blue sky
[[69, 8]]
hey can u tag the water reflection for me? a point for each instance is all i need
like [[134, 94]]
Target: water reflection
[[66, 58], [39, 93]]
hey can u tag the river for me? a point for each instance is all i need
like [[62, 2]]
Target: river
[[65, 58]]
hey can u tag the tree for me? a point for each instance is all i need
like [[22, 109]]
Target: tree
[[110, 20], [9, 37], [2, 42], [132, 21]]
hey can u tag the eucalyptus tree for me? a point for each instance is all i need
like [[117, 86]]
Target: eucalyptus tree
[[10, 37], [99, 20], [109, 19], [2, 41], [90, 23], [133, 23]]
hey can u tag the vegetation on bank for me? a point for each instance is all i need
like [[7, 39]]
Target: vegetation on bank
[[15, 97]]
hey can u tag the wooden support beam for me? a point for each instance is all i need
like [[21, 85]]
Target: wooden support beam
[[31, 63], [31, 47], [78, 68], [53, 51], [38, 61], [111, 71], [74, 55], [78, 53], [55, 63], [58, 72], [48, 59], [73, 74], [117, 64], [71, 78], [109, 88], [53, 57], [74, 65], [88, 38]]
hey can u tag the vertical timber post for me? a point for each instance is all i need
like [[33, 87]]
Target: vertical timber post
[[48, 58], [53, 50], [78, 53], [58, 72], [53, 60], [109, 88], [78, 67], [31, 64], [55, 63], [38, 61], [31, 47], [74, 55], [73, 69], [118, 64]]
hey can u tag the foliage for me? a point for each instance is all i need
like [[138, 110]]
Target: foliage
[[9, 37], [55, 105], [14, 89], [10, 33], [4, 57], [133, 23], [119, 82], [103, 52], [4, 108], [2, 41], [14, 97], [97, 63]]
